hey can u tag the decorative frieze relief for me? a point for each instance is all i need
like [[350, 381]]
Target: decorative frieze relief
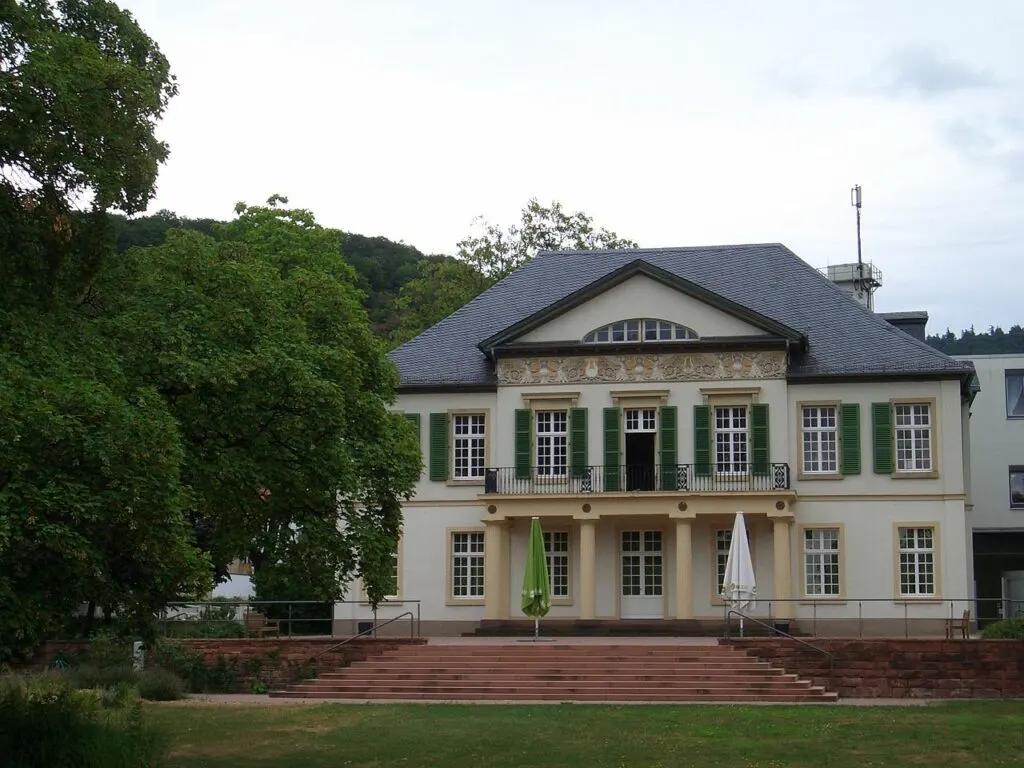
[[607, 369]]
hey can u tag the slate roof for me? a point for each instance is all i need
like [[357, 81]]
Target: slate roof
[[844, 338]]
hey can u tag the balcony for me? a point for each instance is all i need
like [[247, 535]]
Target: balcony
[[681, 478]]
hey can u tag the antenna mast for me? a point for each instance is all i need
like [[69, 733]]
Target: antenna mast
[[855, 201]]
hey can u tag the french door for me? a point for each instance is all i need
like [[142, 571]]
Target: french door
[[642, 575]]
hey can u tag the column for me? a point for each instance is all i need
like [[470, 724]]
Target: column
[[684, 570], [588, 569], [783, 568], [495, 569]]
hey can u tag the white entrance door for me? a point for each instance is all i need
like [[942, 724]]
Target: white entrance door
[[641, 575]]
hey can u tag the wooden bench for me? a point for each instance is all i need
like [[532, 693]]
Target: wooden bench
[[259, 624], [964, 625]]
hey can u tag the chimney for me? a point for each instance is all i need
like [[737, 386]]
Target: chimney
[[911, 323]]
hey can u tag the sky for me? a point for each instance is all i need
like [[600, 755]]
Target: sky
[[671, 123]]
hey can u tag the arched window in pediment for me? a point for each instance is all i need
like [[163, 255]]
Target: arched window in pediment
[[639, 329]]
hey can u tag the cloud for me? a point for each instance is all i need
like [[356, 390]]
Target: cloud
[[994, 143], [923, 72]]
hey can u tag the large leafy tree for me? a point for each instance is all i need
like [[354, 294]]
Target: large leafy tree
[[495, 252], [264, 355], [91, 503]]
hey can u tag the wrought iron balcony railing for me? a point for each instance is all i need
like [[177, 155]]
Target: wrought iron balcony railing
[[685, 478]]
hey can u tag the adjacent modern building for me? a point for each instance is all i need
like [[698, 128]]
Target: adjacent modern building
[[636, 400], [997, 486]]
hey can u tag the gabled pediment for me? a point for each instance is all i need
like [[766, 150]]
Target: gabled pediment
[[626, 306]]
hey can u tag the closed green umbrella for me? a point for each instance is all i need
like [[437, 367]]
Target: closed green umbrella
[[536, 586]]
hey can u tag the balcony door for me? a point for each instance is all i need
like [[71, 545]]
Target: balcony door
[[642, 576], [641, 432]]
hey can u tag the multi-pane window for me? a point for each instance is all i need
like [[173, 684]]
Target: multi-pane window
[[468, 444], [556, 546], [913, 437], [1017, 487], [723, 539], [917, 561], [731, 439], [552, 443], [1015, 394], [821, 562], [641, 420], [467, 565], [820, 440], [639, 329], [395, 587]]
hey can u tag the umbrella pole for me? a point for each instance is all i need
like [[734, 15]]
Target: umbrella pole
[[536, 628], [741, 625]]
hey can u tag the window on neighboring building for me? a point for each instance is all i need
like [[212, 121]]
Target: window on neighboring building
[[913, 437], [552, 443], [917, 562], [468, 444], [731, 439], [821, 562], [467, 565], [820, 439], [639, 329], [556, 546], [1015, 394], [1017, 487]]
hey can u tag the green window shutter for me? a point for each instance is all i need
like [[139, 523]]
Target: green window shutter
[[881, 435], [668, 416], [524, 443], [761, 463], [849, 438], [702, 440], [612, 450], [578, 441], [439, 427], [414, 419]]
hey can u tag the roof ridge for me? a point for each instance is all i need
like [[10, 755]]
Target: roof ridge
[[659, 249]]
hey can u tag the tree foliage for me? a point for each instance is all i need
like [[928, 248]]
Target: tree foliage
[[440, 288], [994, 341], [495, 252]]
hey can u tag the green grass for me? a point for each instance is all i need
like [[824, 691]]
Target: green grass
[[490, 736]]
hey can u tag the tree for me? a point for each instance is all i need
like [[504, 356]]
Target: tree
[[440, 289], [91, 500], [264, 356], [994, 341], [495, 252]]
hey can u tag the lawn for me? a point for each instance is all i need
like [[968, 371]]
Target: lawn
[[453, 736]]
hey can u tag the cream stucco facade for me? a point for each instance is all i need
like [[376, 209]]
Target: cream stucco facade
[[636, 460]]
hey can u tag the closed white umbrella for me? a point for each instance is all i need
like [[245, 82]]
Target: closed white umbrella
[[739, 587]]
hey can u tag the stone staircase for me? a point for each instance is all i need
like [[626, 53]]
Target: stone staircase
[[562, 672]]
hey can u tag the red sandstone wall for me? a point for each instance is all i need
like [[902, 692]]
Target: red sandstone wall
[[913, 668]]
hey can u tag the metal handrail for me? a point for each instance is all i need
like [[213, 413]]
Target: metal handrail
[[373, 630], [828, 654]]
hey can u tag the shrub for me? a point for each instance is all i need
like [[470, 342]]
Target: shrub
[[160, 685], [45, 722], [1008, 629], [260, 687], [91, 676], [187, 664]]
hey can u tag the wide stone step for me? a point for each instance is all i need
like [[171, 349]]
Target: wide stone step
[[609, 678], [593, 686], [594, 667], [545, 695]]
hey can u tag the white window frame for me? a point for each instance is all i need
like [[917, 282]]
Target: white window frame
[[644, 420], [913, 430], [558, 562], [723, 539], [736, 441], [469, 446], [1014, 385], [637, 330], [821, 560], [466, 565], [646, 563], [918, 560], [819, 435], [551, 438]]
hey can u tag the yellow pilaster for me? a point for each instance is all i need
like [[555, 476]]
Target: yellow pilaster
[[588, 569], [684, 569], [783, 562], [496, 587]]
